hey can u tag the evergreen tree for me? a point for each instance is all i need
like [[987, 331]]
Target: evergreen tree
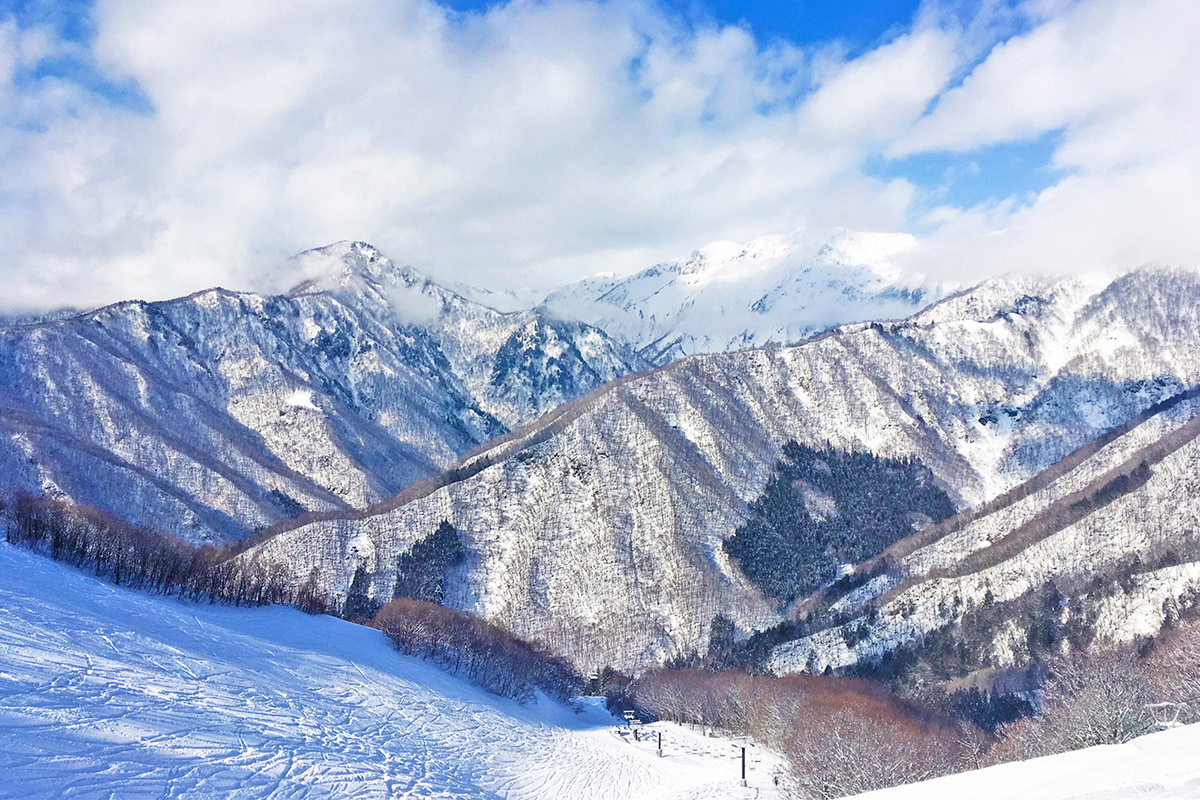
[[421, 572]]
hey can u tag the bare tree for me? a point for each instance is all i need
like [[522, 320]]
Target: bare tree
[[1102, 697], [848, 752]]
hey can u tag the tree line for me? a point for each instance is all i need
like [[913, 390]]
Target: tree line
[[150, 560], [481, 651], [842, 736]]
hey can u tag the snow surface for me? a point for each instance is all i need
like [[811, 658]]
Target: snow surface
[[107, 692], [1161, 766]]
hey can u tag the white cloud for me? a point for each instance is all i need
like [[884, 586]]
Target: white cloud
[[543, 141], [1099, 61], [1116, 82], [536, 143], [885, 89]]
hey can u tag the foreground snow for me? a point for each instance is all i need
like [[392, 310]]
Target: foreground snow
[[1162, 766], [109, 692]]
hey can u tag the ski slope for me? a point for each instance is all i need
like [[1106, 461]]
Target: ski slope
[[107, 692]]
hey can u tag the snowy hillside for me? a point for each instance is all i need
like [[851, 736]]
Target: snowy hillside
[[516, 365], [730, 296], [599, 529], [1161, 766], [1113, 526], [222, 412], [106, 692]]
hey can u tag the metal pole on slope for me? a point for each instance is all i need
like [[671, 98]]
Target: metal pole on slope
[[660, 744], [743, 766]]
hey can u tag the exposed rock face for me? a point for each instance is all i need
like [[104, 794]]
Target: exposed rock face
[[599, 527]]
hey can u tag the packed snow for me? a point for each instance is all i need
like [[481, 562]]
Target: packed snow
[[108, 692], [1161, 766]]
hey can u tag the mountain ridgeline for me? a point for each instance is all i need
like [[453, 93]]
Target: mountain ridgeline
[[220, 413], [730, 296], [385, 437], [823, 508], [601, 528]]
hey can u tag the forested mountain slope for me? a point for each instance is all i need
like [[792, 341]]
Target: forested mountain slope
[[1104, 545], [600, 528], [222, 412]]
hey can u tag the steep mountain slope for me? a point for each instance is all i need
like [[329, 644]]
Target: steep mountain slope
[[1110, 533], [222, 412], [728, 296], [108, 692], [599, 529], [516, 365]]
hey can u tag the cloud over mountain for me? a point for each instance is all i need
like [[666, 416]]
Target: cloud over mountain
[[170, 147]]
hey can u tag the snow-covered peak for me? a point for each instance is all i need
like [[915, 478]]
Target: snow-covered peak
[[879, 251], [727, 295], [728, 261], [349, 265], [479, 339]]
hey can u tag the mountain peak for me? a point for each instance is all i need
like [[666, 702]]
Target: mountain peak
[[350, 265]]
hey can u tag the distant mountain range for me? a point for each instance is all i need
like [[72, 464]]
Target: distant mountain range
[[594, 494], [223, 412], [729, 296]]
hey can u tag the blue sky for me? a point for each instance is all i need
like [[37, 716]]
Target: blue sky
[[857, 24], [154, 148]]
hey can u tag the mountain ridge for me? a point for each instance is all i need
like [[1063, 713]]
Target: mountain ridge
[[646, 481], [221, 412]]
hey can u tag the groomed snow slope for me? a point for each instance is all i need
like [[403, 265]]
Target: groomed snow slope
[[1162, 766], [107, 692]]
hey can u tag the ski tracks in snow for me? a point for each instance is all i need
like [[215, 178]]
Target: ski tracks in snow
[[106, 692]]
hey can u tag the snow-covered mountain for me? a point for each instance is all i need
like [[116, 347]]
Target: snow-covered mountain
[[222, 412], [109, 692], [730, 296], [599, 528], [1110, 532], [516, 364]]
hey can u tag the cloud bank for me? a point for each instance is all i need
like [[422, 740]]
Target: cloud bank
[[540, 142]]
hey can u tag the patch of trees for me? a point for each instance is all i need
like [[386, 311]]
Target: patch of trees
[[142, 558], [844, 736], [841, 736], [1108, 695], [823, 508], [421, 573], [479, 650]]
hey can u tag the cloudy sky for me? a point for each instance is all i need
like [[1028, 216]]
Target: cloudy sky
[[149, 149]]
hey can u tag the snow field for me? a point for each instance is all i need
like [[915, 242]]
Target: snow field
[[1161, 766], [107, 692]]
